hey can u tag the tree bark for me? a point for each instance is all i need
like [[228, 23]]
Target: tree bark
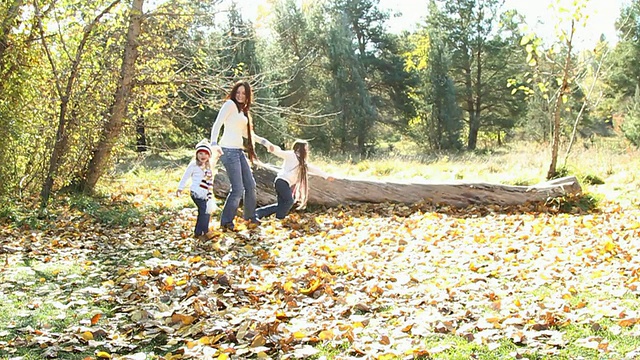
[[65, 95], [355, 191], [118, 109], [8, 23], [564, 89], [141, 136]]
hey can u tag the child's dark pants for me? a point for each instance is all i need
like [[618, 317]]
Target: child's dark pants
[[285, 201], [202, 224]]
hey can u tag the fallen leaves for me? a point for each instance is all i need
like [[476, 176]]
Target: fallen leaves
[[373, 281]]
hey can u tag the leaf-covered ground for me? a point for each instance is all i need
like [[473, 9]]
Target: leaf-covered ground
[[370, 282]]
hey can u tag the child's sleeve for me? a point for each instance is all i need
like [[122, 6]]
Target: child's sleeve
[[186, 176], [314, 170], [277, 151]]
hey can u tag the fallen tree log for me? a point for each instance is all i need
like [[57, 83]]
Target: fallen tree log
[[353, 191]]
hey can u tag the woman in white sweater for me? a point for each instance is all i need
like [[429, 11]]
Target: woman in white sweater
[[292, 180], [234, 116]]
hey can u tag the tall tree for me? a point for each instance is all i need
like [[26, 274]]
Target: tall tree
[[558, 88], [624, 75], [482, 52], [438, 119], [348, 92], [118, 109], [64, 85]]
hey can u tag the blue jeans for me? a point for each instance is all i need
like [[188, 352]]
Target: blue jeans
[[285, 201], [202, 223], [243, 186]]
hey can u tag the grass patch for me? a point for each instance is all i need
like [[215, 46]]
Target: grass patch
[[115, 214], [573, 203], [39, 302]]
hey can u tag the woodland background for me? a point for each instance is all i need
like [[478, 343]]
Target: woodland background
[[84, 82], [101, 104]]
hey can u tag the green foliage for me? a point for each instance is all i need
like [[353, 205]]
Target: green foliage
[[591, 179], [482, 42], [116, 214], [575, 203], [631, 125]]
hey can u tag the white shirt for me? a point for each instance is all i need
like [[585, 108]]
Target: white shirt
[[199, 185], [235, 128], [289, 171]]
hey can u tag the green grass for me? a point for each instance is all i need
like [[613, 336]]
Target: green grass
[[145, 186], [36, 300]]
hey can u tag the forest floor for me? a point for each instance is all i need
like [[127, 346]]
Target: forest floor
[[119, 276]]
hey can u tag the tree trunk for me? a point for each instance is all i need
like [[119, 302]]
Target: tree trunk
[[65, 94], [141, 136], [564, 89], [118, 109], [353, 191]]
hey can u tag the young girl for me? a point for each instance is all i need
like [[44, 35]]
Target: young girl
[[292, 180], [199, 170]]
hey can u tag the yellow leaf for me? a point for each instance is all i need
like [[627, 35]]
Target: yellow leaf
[[169, 280], [204, 340], [259, 340], [223, 356], [326, 335], [87, 335], [299, 335], [103, 355], [387, 357], [156, 253], [288, 286], [609, 246], [313, 286]]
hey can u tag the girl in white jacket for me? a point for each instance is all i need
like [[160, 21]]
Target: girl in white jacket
[[292, 181], [201, 175]]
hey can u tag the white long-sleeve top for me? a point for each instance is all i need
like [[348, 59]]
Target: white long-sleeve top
[[235, 128], [199, 183], [289, 171]]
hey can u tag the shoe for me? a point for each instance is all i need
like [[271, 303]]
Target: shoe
[[202, 237], [227, 227], [210, 235]]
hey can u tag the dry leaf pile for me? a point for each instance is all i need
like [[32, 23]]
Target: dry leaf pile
[[373, 280]]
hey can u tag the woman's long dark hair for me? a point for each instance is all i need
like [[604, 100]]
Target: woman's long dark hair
[[300, 148], [245, 109]]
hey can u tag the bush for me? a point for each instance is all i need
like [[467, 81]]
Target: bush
[[631, 125]]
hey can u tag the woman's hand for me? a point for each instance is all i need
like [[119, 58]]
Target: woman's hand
[[216, 149]]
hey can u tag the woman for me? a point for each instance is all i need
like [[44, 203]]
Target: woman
[[235, 117]]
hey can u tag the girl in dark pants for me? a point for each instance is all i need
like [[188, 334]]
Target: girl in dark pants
[[201, 175], [234, 116], [292, 180]]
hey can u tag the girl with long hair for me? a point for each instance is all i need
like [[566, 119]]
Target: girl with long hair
[[292, 181], [236, 119]]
